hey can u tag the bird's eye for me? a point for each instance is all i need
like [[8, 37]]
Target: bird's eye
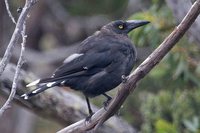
[[120, 26]]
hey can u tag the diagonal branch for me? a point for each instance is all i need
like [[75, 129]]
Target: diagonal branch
[[17, 72], [152, 60], [16, 34], [101, 116], [19, 30]]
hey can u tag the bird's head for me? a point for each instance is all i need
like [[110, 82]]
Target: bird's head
[[124, 27]]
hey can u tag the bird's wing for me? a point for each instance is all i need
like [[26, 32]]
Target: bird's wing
[[81, 64], [94, 54]]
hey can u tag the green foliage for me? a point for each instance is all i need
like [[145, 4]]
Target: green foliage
[[159, 27], [94, 7], [170, 112], [193, 125], [162, 126], [180, 68], [176, 109]]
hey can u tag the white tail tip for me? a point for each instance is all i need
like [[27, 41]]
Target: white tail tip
[[33, 83], [25, 96], [35, 91], [50, 84]]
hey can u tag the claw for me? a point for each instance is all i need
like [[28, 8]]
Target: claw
[[124, 78], [88, 118], [106, 103]]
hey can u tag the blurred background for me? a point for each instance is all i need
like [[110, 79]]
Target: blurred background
[[167, 100]]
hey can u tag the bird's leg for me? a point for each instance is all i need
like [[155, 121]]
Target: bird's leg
[[109, 98], [124, 78], [89, 109]]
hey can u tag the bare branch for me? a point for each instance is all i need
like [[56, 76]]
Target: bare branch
[[20, 61], [138, 74], [16, 34], [15, 80], [9, 12]]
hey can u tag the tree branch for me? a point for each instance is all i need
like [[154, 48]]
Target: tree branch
[[16, 76], [101, 116], [8, 53], [16, 34], [9, 12]]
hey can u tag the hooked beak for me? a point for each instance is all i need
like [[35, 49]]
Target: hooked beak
[[132, 24]]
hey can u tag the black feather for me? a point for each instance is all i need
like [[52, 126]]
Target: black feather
[[99, 64], [39, 89]]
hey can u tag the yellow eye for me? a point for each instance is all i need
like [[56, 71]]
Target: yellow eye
[[121, 27]]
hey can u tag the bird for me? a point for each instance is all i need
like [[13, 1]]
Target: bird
[[101, 62]]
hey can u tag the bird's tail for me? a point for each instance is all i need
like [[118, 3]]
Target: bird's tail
[[41, 87]]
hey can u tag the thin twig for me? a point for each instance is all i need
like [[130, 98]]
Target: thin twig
[[16, 34], [15, 80], [19, 30], [141, 71], [9, 12]]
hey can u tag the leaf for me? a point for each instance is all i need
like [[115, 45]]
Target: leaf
[[193, 125], [163, 126], [180, 69]]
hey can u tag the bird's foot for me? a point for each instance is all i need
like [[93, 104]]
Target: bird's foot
[[88, 118], [106, 103], [124, 78]]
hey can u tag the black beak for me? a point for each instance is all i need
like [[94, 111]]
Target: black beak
[[132, 24]]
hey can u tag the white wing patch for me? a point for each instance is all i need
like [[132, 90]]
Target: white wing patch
[[63, 82], [33, 83], [72, 57], [50, 84]]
